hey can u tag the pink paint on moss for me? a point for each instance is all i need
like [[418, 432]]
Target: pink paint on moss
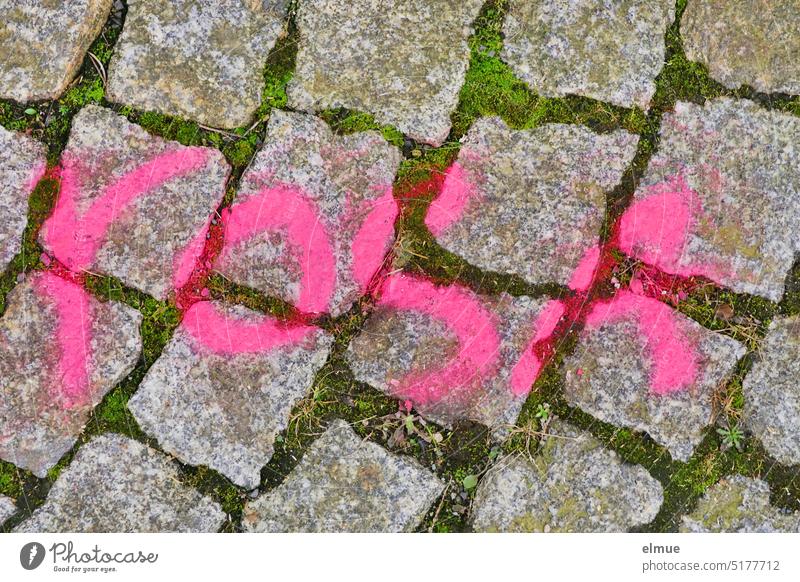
[[583, 275], [472, 324], [223, 335], [370, 243], [656, 228], [73, 337], [674, 357], [449, 206], [288, 210], [530, 364], [185, 262], [75, 240]]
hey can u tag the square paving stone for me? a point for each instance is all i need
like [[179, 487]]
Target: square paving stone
[[403, 61], [61, 351], [721, 197], [739, 504], [225, 385], [531, 202], [42, 44], [346, 484], [746, 42], [642, 365], [772, 392], [572, 485], [199, 59], [7, 508], [453, 354], [611, 51], [22, 163], [115, 484], [314, 216], [132, 205]]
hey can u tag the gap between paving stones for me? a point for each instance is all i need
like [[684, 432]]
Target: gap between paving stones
[[419, 161]]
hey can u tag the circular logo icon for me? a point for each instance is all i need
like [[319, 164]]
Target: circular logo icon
[[31, 555]]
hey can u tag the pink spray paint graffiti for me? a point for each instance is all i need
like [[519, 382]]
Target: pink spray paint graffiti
[[472, 324], [73, 336], [451, 202], [222, 335], [369, 245], [75, 240]]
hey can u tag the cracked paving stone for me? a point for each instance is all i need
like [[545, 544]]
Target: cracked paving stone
[[721, 197], [772, 393], [346, 484], [452, 353], [61, 351], [573, 484], [404, 61], [133, 205], [225, 385], [739, 504], [610, 51], [43, 44], [642, 365], [116, 484], [746, 42], [314, 215], [22, 163], [531, 202], [198, 59], [7, 508]]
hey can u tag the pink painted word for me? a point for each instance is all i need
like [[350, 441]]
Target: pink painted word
[[675, 365], [73, 336], [223, 335], [529, 366], [75, 240]]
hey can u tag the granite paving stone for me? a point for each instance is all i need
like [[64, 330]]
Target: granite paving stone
[[403, 61], [198, 59], [43, 44], [22, 163], [603, 49], [116, 484], [746, 42], [346, 484], [573, 484], [314, 215], [133, 205], [225, 385], [61, 351], [739, 504]]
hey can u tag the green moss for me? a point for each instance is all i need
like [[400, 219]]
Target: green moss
[[344, 121]]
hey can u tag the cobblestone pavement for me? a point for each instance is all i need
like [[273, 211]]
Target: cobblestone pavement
[[408, 265]]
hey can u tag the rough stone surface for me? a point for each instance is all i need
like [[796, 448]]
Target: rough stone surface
[[611, 51], [200, 59], [739, 504], [22, 163], [572, 485], [115, 484], [42, 44], [7, 508], [529, 202], [404, 61], [213, 399], [314, 215], [61, 351], [720, 197], [772, 393], [453, 354], [746, 42], [133, 205], [345, 484], [642, 365]]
